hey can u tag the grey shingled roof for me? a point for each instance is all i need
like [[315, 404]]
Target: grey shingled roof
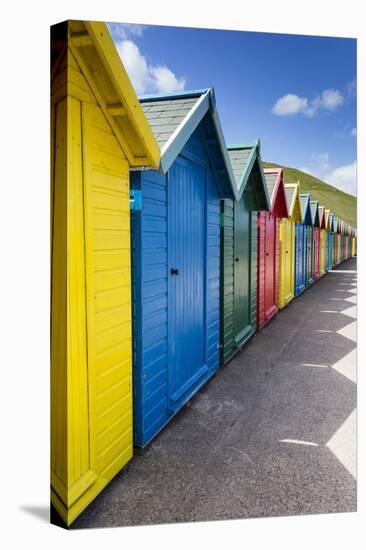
[[290, 192], [164, 116], [270, 183], [239, 160], [321, 213], [314, 210], [303, 202]]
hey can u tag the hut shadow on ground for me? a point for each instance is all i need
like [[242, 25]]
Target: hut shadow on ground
[[40, 512], [272, 434]]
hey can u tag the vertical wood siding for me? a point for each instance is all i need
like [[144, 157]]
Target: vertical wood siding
[[277, 263], [228, 345], [261, 232], [316, 253], [254, 268], [287, 262], [227, 282], [300, 258], [322, 252], [91, 378], [152, 409]]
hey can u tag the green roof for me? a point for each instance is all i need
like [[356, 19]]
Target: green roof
[[240, 159], [247, 167]]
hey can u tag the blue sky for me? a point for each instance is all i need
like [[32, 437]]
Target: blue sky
[[295, 93]]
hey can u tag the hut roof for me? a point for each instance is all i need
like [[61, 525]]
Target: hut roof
[[246, 163], [321, 214], [293, 201], [97, 56], [314, 212], [331, 221], [173, 119], [305, 208], [276, 189], [327, 218]]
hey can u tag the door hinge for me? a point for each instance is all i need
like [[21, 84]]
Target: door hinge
[[135, 199]]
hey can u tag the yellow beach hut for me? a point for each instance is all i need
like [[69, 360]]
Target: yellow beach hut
[[323, 240], [98, 132], [354, 240], [287, 245]]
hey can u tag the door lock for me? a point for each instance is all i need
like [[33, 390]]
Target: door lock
[[236, 259], [174, 271]]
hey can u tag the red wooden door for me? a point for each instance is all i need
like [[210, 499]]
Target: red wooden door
[[316, 252], [270, 263]]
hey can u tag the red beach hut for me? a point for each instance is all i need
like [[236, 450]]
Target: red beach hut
[[268, 246]]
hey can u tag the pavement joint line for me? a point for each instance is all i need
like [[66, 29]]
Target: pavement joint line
[[299, 442]]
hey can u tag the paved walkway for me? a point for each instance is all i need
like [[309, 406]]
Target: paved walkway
[[272, 434]]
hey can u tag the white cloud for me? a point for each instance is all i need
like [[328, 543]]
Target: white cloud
[[330, 100], [135, 65], [123, 31], [353, 132], [145, 77], [165, 79], [341, 177], [292, 104], [344, 178]]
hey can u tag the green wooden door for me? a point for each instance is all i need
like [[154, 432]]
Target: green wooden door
[[238, 278], [242, 267]]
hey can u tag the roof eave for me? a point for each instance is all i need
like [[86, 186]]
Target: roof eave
[[295, 199], [307, 211], [268, 200], [223, 148], [254, 155], [98, 36], [276, 187], [183, 132]]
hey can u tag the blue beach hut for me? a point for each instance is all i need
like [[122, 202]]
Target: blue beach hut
[[328, 250], [303, 238], [175, 231]]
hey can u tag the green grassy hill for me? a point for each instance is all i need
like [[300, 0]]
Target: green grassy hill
[[342, 204]]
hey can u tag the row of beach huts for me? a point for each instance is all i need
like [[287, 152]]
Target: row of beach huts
[[169, 251]]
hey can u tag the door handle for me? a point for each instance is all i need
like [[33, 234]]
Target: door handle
[[267, 253], [174, 271], [236, 259]]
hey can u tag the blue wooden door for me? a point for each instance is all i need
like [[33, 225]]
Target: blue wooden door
[[328, 263], [299, 259], [187, 279]]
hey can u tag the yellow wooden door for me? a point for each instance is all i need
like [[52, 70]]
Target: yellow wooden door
[[291, 259], [353, 246], [286, 250], [91, 378]]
